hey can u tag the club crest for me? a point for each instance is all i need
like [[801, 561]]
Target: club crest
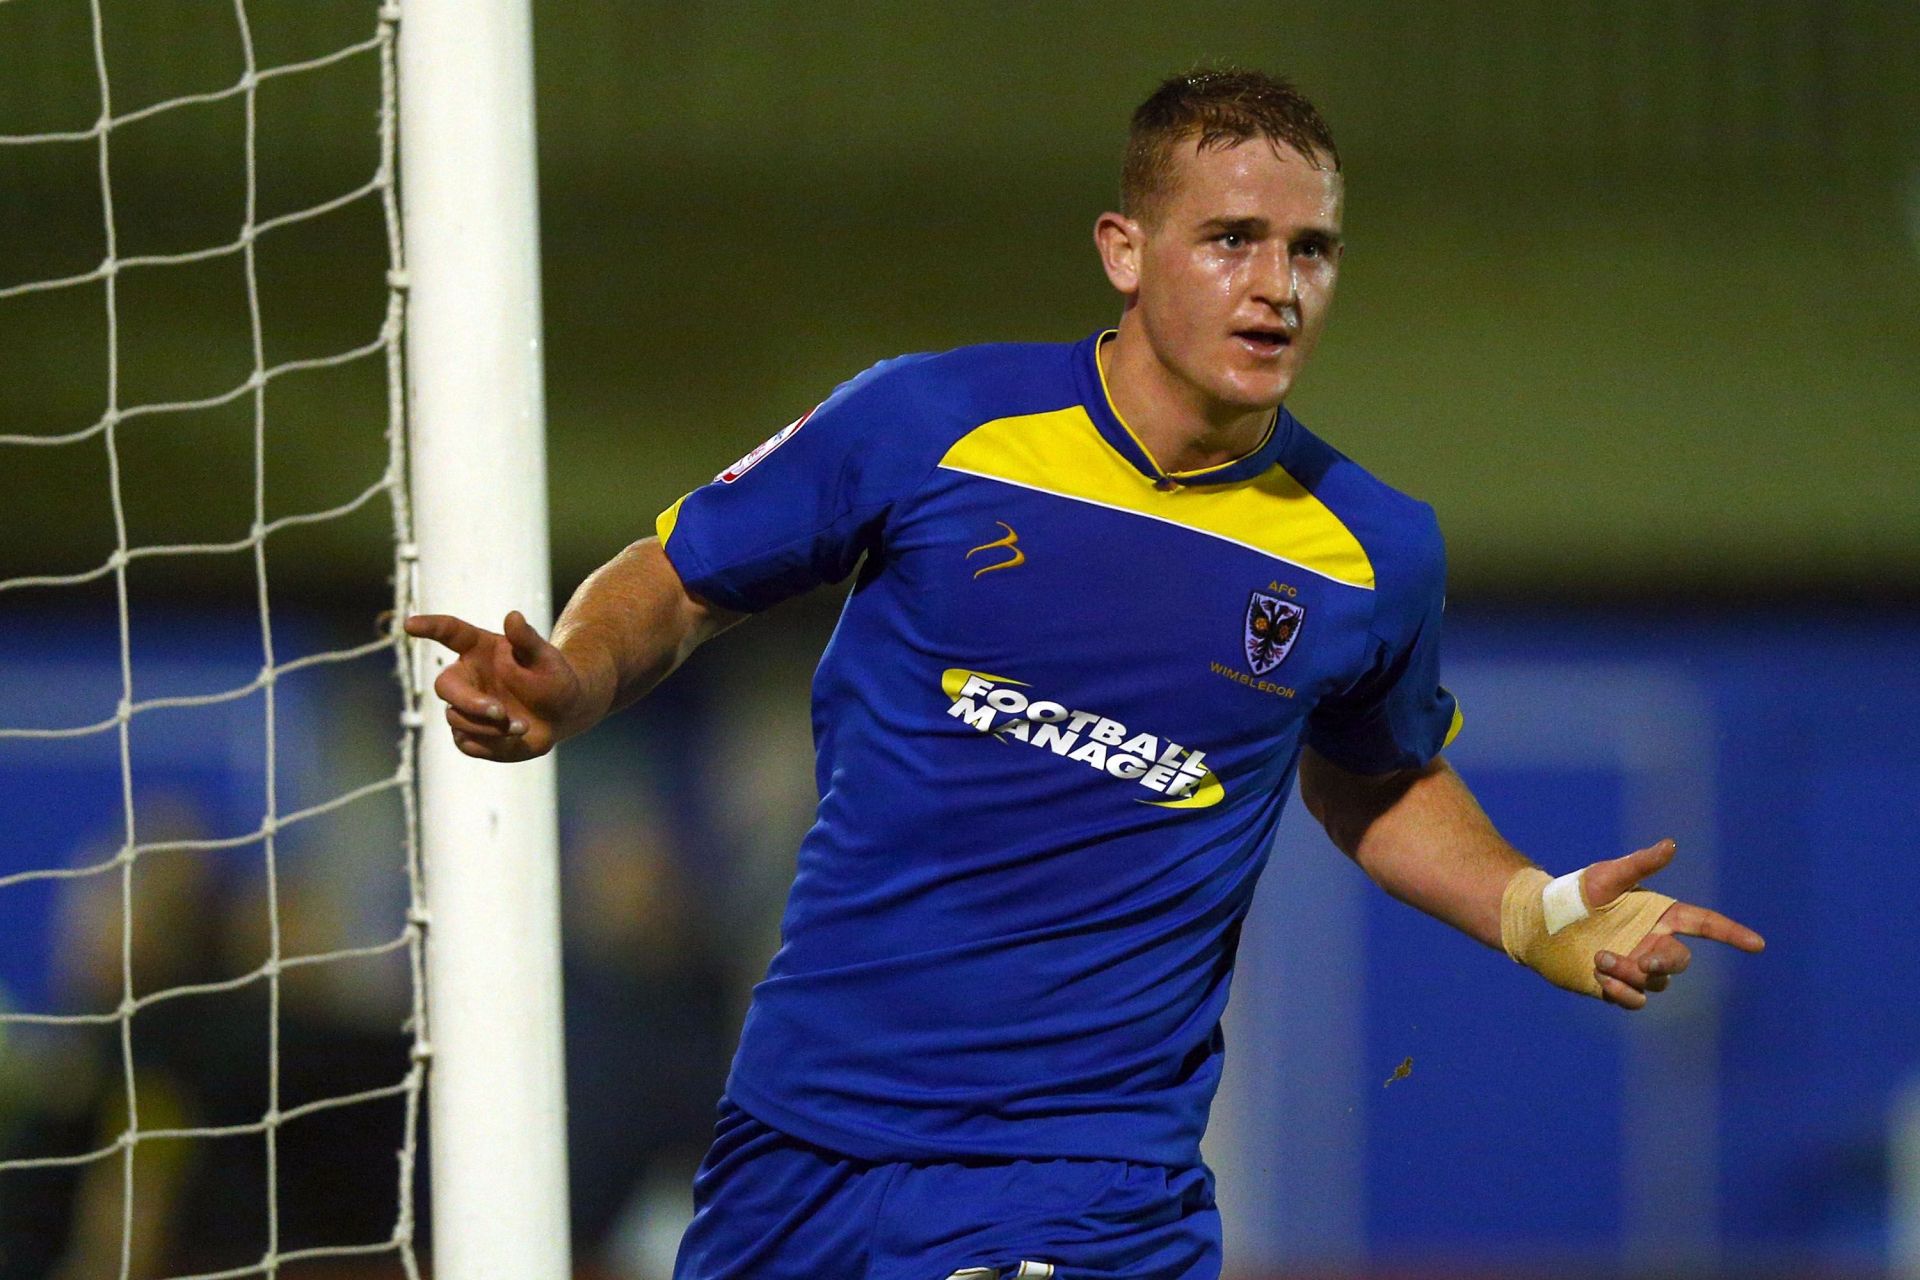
[[1272, 626]]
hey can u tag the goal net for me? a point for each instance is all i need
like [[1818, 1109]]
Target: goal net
[[212, 1002]]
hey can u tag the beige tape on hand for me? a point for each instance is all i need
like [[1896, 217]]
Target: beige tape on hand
[[1546, 924]]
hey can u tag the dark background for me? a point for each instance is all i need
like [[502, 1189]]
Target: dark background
[[1629, 293]]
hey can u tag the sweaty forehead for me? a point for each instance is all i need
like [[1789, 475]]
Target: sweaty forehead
[[1252, 179]]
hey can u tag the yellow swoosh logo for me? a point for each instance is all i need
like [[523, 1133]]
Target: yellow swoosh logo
[[954, 679], [1206, 793], [1019, 556]]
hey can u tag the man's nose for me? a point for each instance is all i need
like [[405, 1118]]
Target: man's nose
[[1274, 283]]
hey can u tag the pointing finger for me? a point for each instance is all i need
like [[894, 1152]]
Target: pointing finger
[[1684, 917], [450, 631], [1605, 881]]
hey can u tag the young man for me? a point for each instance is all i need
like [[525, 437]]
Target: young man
[[1110, 596]]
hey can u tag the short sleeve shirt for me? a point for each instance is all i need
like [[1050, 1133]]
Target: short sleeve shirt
[[1055, 729]]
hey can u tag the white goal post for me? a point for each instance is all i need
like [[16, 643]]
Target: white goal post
[[463, 418], [470, 214]]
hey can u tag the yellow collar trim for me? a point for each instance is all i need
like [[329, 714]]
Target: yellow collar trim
[[1100, 368]]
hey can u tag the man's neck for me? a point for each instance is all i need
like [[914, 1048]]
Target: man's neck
[[1178, 429]]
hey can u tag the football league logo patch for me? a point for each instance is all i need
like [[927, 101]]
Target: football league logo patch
[[1273, 625], [764, 448]]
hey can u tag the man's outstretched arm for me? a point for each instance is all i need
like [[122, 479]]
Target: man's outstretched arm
[[512, 694], [1420, 835]]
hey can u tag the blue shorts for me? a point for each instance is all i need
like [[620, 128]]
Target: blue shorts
[[770, 1207]]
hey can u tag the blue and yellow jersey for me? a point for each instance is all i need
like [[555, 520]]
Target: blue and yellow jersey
[[1056, 726]]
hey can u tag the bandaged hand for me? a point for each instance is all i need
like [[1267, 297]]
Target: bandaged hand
[[1594, 931]]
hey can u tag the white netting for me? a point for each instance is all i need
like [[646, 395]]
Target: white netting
[[141, 1126]]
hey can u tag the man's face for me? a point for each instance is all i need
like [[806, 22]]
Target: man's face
[[1235, 274]]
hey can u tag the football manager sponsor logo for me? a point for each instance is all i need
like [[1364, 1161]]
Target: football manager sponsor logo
[[1175, 775]]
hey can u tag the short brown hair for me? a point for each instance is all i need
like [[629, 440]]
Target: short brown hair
[[1215, 108]]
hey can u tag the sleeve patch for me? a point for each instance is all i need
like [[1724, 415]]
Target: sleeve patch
[[765, 447]]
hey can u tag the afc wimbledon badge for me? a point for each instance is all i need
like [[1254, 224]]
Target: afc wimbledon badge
[[1272, 627]]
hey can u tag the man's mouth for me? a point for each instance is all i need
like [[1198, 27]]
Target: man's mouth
[[1265, 342]]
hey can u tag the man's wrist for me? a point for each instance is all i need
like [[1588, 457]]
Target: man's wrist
[[597, 680], [1558, 939]]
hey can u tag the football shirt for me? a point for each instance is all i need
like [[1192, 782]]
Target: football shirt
[[1056, 726]]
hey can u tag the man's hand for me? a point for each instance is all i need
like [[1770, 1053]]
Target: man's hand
[[510, 696], [1626, 980], [1421, 837]]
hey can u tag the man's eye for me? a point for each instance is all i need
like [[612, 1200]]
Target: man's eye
[[1231, 239], [1312, 249]]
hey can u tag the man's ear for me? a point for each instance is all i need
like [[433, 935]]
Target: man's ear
[[1120, 241]]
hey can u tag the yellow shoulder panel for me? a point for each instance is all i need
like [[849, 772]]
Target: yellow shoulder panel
[[1062, 453], [664, 522]]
